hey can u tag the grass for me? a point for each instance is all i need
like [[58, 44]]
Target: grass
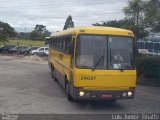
[[24, 42]]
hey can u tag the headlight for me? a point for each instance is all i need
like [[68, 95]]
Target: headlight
[[129, 94], [124, 94], [81, 93]]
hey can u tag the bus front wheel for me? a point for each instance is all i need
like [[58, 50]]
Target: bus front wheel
[[69, 97]]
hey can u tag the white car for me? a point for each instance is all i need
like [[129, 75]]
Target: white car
[[143, 51], [40, 51]]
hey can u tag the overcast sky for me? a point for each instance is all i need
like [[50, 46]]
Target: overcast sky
[[23, 15]]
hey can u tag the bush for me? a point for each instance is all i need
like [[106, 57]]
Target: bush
[[148, 66]]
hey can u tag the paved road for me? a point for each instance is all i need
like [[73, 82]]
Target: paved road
[[27, 87]]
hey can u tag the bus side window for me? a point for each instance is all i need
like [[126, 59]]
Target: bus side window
[[63, 43], [55, 43], [72, 47], [50, 43], [58, 43], [68, 43]]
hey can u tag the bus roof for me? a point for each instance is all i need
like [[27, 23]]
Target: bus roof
[[95, 30]]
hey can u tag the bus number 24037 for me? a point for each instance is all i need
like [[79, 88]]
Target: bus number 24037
[[87, 77]]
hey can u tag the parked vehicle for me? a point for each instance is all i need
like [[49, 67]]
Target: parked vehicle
[[33, 48], [6, 48], [27, 52], [47, 40], [42, 51], [21, 49]]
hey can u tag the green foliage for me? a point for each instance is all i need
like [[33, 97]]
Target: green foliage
[[3, 37], [6, 31], [39, 33], [152, 15], [148, 66], [134, 11], [69, 23], [125, 24], [140, 16], [144, 14], [24, 42], [36, 35], [23, 35], [40, 28]]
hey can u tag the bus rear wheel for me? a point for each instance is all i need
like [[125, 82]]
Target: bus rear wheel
[[53, 73]]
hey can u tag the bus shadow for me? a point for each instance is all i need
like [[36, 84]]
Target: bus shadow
[[100, 105], [89, 105]]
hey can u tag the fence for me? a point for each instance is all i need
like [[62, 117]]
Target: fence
[[148, 47]]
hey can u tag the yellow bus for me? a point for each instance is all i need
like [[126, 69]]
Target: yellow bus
[[94, 63]]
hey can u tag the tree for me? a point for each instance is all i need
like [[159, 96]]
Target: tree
[[35, 35], [40, 28], [23, 35], [141, 16], [6, 31], [125, 24], [39, 32], [69, 23], [152, 15], [134, 11], [145, 14]]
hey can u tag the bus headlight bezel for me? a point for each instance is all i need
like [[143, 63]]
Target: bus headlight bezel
[[81, 93], [130, 94], [124, 94]]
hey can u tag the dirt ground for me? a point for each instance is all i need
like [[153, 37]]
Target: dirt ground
[[22, 58], [26, 86]]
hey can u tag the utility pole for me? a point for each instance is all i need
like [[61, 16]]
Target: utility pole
[[25, 29]]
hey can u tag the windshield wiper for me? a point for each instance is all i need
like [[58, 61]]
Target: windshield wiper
[[102, 56], [97, 62]]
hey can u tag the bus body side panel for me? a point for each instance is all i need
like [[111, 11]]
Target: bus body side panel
[[61, 62]]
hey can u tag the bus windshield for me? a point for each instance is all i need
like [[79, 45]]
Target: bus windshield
[[104, 52]]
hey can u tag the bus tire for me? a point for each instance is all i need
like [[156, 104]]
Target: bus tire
[[69, 97], [53, 73]]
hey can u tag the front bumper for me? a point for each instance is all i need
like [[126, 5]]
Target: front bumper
[[103, 94]]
